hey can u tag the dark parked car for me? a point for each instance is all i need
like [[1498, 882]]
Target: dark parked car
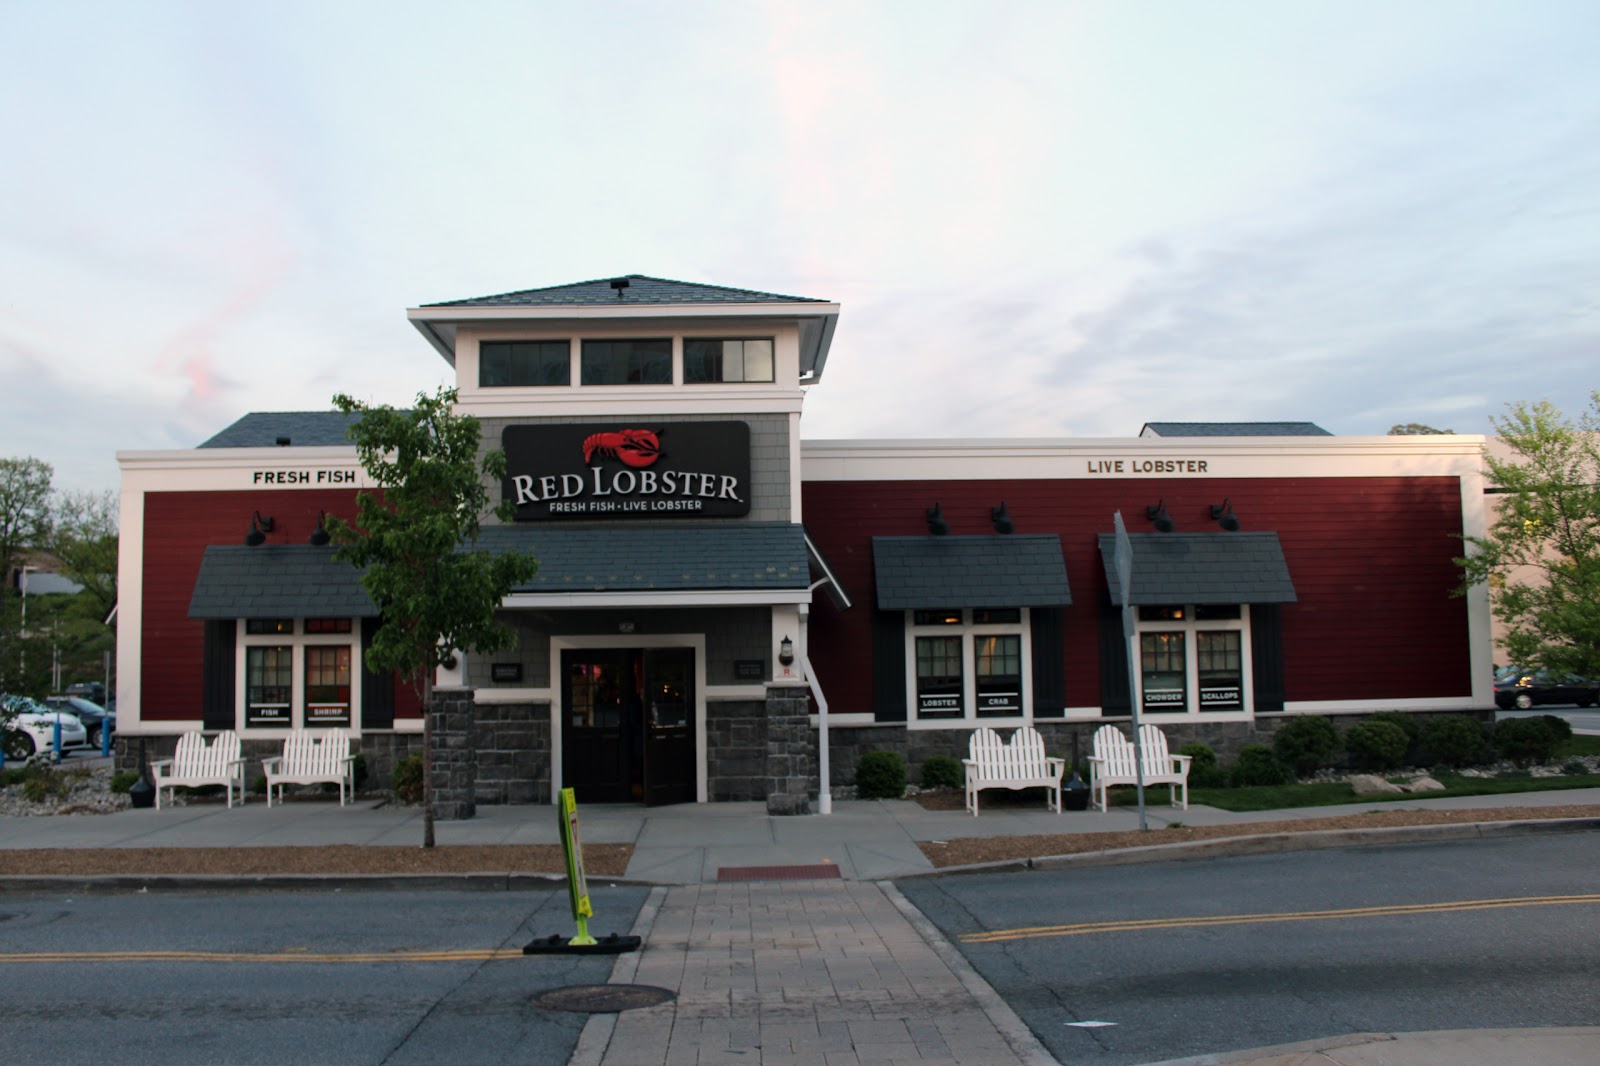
[[1518, 687], [91, 714]]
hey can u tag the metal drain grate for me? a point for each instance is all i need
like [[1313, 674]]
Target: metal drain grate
[[603, 999], [820, 872]]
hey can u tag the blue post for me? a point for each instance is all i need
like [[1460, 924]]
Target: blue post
[[105, 737], [55, 737]]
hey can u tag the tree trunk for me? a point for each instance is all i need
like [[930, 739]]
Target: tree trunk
[[427, 758]]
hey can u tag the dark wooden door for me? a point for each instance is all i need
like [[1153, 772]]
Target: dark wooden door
[[600, 726], [669, 726]]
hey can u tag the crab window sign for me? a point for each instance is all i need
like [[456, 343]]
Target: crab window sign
[[634, 469]]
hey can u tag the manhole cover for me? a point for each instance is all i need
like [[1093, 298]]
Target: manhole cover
[[603, 999]]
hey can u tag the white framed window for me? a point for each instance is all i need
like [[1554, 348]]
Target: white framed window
[[968, 666], [298, 673], [1194, 659]]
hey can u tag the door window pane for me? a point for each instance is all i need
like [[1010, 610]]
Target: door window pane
[[328, 686], [1165, 682], [999, 661], [1220, 663]]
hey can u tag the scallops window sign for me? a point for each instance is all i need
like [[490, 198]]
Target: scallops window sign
[[628, 470]]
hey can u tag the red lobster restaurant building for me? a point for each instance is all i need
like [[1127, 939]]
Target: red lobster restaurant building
[[726, 611]]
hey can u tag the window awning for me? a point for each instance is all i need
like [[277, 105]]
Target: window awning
[[1017, 570], [1209, 568], [277, 581], [756, 556]]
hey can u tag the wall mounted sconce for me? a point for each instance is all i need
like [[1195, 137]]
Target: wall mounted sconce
[[1002, 519], [319, 536], [936, 523], [1223, 513], [624, 627], [1157, 513], [786, 651], [259, 528]]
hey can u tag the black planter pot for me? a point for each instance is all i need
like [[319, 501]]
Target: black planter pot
[[1075, 794], [143, 792]]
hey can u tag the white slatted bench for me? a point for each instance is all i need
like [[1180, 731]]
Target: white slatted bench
[[1017, 763], [196, 764], [311, 759], [1113, 764]]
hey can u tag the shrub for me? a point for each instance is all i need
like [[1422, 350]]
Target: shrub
[[1407, 722], [408, 779], [123, 780], [941, 771], [1525, 740], [1305, 745], [1574, 768], [1257, 766], [1559, 727], [1454, 739], [881, 775], [1204, 771], [358, 771], [1376, 744]]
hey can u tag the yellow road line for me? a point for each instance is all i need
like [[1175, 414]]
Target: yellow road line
[[462, 955], [1134, 924]]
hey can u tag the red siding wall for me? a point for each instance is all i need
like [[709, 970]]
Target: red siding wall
[[1370, 559], [178, 527]]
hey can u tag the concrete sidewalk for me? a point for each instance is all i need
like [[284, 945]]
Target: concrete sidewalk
[[832, 972]]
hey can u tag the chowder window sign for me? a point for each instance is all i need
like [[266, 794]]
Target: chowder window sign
[[628, 470]]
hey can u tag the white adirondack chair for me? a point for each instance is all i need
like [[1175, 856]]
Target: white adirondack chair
[[1113, 763], [1018, 763], [309, 759], [196, 763]]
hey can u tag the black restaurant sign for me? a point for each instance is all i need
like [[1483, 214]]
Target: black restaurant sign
[[633, 469]]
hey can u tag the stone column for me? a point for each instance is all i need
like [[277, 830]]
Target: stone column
[[454, 757], [789, 754]]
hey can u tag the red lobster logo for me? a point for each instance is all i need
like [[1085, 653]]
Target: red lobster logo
[[635, 447]]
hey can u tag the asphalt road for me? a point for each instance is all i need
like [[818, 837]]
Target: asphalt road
[[1210, 956], [292, 977]]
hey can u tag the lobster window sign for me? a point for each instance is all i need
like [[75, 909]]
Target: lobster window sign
[[635, 469]]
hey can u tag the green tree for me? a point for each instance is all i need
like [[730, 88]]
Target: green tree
[[1416, 429], [84, 539], [1541, 557], [416, 541], [25, 512]]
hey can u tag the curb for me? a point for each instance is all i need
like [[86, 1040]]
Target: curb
[[1272, 843], [1285, 1052], [473, 882]]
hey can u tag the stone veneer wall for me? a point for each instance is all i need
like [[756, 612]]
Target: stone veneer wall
[[455, 755], [736, 749], [791, 751], [513, 744]]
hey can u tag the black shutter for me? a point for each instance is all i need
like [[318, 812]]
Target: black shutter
[[1049, 662], [377, 690], [1266, 654], [217, 674], [889, 666], [1115, 699]]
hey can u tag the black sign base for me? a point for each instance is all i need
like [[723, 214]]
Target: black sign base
[[611, 944]]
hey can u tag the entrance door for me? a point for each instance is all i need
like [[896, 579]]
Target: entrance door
[[669, 760], [628, 725]]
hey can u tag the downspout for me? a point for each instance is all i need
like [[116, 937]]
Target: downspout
[[824, 785]]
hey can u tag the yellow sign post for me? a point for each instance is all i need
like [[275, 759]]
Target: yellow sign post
[[578, 894]]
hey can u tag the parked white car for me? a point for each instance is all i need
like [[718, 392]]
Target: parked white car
[[31, 728]]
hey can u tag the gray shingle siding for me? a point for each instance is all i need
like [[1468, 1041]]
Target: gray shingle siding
[[641, 290], [305, 429], [984, 571], [1206, 568], [277, 581], [1235, 429]]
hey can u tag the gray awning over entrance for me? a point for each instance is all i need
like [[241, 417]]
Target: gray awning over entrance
[[1018, 570], [658, 558], [277, 581], [1208, 568]]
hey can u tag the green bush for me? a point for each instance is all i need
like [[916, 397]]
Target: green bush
[[1525, 740], [1305, 745], [1574, 768], [1376, 745], [1559, 727], [941, 771], [1257, 765], [358, 771], [1413, 731], [123, 780], [1204, 772], [408, 779], [1454, 739], [881, 775]]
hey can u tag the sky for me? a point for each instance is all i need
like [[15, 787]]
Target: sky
[[1040, 219]]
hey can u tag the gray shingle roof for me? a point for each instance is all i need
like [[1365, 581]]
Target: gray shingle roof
[[986, 571], [733, 555], [1235, 429], [640, 290], [1206, 568], [277, 581], [305, 429]]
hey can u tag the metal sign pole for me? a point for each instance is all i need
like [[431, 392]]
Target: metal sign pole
[[1122, 559]]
